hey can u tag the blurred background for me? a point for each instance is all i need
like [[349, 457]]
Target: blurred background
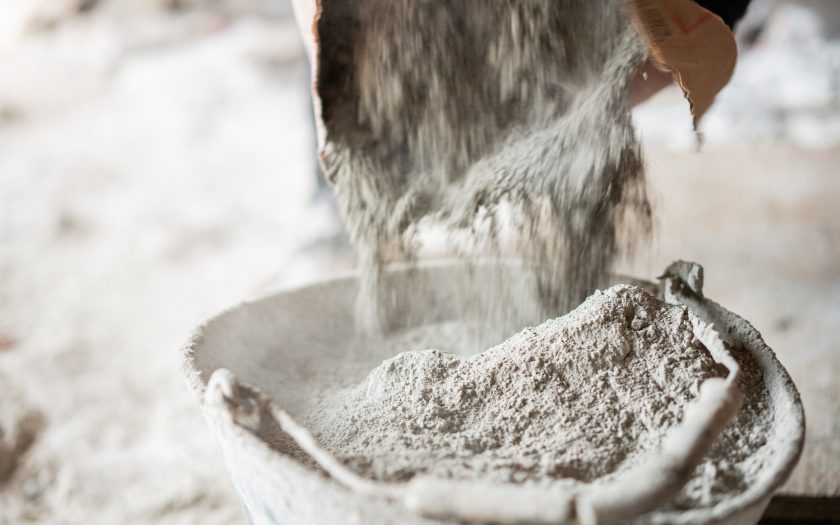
[[157, 165]]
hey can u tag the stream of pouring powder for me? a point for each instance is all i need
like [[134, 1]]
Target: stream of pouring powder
[[507, 123]]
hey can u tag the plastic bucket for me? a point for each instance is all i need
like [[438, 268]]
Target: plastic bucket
[[248, 365]]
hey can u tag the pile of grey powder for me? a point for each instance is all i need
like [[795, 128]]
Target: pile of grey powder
[[572, 400]]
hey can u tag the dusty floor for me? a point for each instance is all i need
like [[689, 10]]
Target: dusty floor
[[155, 168]]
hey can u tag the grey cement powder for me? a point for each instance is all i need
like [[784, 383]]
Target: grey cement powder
[[505, 122], [508, 124], [576, 399]]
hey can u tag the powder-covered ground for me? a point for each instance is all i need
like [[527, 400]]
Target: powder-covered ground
[[155, 168]]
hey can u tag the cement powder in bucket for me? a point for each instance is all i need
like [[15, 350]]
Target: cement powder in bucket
[[573, 400], [270, 378]]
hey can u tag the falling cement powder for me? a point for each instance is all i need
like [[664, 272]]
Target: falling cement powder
[[573, 400], [506, 122]]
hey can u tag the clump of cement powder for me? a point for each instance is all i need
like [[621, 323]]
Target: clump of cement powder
[[576, 398], [506, 122]]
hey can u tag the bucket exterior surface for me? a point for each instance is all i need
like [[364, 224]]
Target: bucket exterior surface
[[263, 350]]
